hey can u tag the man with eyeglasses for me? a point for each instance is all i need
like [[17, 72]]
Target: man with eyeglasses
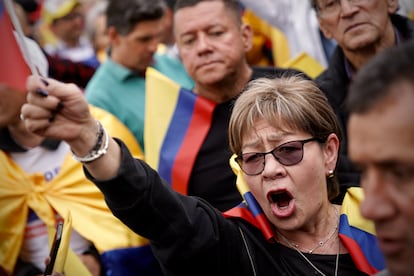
[[362, 29], [66, 21]]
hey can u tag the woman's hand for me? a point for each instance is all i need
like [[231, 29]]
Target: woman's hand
[[60, 111]]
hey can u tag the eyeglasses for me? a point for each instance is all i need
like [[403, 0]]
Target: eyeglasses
[[330, 7], [288, 154]]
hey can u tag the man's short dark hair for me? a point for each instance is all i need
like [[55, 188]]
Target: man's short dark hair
[[124, 15], [232, 5], [372, 82]]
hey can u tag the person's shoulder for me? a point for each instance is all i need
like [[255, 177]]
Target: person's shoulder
[[164, 58], [108, 67], [102, 70], [165, 62], [174, 69], [105, 79], [404, 25], [335, 75]]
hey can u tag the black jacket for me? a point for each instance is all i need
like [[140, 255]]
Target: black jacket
[[191, 237]]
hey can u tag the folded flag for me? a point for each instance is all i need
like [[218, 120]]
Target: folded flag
[[176, 124]]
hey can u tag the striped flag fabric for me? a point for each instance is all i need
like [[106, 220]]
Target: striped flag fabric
[[13, 68], [358, 234], [176, 124]]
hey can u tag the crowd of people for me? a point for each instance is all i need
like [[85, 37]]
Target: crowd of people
[[258, 169]]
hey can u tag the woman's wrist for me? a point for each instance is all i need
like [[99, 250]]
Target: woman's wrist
[[99, 149], [87, 139]]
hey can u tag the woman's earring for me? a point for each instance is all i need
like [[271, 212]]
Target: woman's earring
[[330, 174]]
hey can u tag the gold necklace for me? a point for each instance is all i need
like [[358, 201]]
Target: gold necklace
[[309, 262], [320, 243]]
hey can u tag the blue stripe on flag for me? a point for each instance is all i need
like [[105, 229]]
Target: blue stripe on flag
[[176, 132], [252, 204], [367, 242]]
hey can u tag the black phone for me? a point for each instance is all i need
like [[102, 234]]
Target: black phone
[[54, 249]]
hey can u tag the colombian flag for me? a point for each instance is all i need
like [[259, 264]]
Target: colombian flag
[[176, 124], [13, 68], [355, 232], [358, 234]]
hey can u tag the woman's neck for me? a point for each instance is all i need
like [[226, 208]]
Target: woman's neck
[[319, 237]]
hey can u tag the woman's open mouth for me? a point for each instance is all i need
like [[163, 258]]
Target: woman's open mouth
[[281, 203]]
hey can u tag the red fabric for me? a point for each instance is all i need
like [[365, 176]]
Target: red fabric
[[68, 71], [13, 68], [197, 131], [358, 255], [260, 221]]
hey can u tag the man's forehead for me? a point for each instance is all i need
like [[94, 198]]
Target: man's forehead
[[188, 21]]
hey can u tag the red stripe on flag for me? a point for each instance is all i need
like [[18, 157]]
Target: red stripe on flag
[[13, 68], [358, 256], [260, 221], [194, 138]]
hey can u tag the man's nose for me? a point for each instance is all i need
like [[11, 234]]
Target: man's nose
[[377, 203]]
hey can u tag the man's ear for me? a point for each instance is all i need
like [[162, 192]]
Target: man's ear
[[113, 35], [247, 34], [392, 6], [331, 151], [325, 30]]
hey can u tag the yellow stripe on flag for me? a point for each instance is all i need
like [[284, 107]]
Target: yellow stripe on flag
[[351, 205], [161, 98], [240, 182]]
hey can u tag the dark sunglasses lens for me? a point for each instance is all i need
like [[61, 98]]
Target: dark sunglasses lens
[[252, 163], [290, 153]]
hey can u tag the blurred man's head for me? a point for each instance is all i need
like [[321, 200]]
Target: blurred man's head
[[65, 18], [381, 143], [135, 28]]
